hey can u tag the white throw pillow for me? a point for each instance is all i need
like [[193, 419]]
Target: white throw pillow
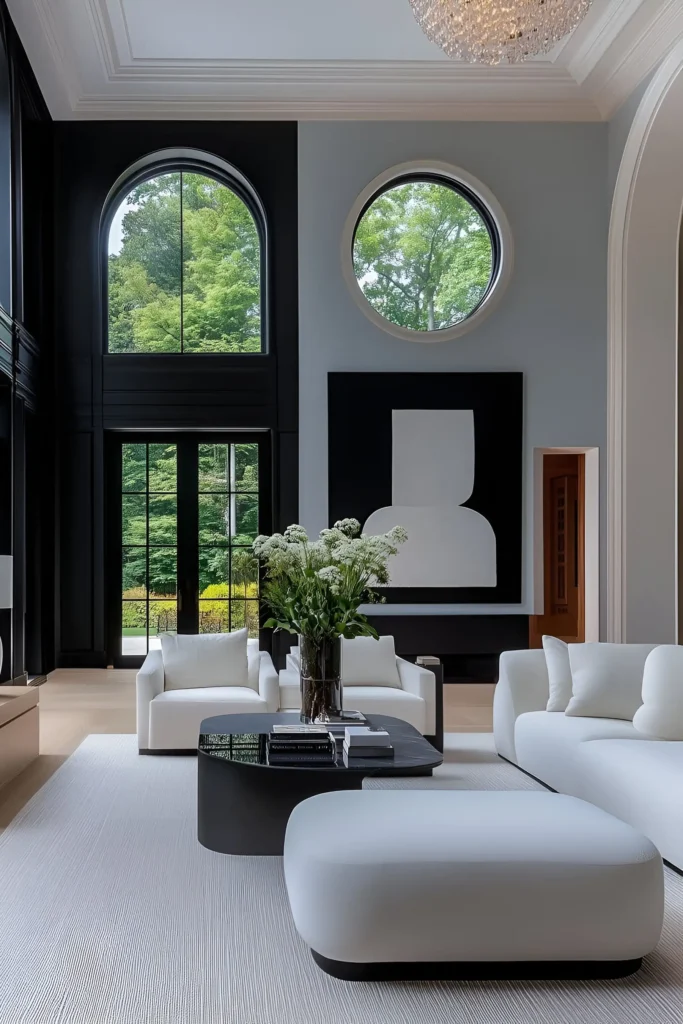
[[607, 679], [205, 659], [559, 673], [661, 714], [369, 662]]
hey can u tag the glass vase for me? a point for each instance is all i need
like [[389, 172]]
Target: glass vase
[[321, 685]]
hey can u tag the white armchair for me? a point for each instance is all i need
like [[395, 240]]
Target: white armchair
[[413, 697], [169, 720]]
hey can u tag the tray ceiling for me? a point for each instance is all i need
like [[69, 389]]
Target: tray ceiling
[[310, 59]]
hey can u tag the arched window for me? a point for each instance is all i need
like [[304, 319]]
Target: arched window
[[185, 263]]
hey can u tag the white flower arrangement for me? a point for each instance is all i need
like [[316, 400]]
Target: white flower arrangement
[[314, 588]]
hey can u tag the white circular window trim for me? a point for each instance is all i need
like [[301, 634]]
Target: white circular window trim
[[504, 270]]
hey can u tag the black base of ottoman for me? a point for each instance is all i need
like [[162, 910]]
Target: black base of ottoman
[[525, 970]]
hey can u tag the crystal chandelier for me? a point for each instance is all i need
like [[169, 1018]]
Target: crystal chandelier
[[497, 31]]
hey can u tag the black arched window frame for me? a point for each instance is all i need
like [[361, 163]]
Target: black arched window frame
[[250, 199]]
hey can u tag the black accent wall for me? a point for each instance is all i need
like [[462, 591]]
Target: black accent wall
[[469, 646], [26, 445], [97, 393]]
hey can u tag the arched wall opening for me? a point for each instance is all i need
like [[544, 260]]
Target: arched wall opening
[[643, 304]]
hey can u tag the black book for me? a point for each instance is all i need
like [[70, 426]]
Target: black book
[[344, 719], [360, 752], [300, 760], [298, 738], [275, 747]]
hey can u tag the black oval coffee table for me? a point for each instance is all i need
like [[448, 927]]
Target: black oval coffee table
[[243, 803]]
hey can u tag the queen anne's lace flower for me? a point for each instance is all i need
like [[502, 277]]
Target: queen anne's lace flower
[[349, 527], [315, 588], [296, 534], [329, 574], [333, 536]]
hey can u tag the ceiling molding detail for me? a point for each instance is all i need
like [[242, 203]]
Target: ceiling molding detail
[[593, 47], [651, 33], [84, 59], [104, 108]]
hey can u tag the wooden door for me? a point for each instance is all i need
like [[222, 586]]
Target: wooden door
[[563, 550]]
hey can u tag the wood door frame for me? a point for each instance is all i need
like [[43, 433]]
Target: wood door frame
[[590, 556]]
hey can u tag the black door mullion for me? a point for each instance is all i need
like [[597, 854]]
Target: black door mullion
[[113, 469], [188, 533]]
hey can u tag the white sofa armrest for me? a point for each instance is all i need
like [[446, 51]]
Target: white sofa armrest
[[422, 683], [522, 686], [290, 689], [293, 660], [149, 683], [268, 682]]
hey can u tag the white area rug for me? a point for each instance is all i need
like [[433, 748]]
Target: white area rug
[[112, 913]]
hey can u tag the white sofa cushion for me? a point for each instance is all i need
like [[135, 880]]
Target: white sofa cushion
[[607, 679], [369, 662], [176, 715], [546, 745], [661, 713], [206, 659], [384, 700], [559, 673], [638, 781]]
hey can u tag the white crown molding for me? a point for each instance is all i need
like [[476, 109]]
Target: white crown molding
[[440, 72], [586, 49], [93, 73], [108, 47], [35, 22], [314, 90], [649, 35], [205, 108]]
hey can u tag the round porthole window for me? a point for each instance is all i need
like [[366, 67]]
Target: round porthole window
[[426, 249]]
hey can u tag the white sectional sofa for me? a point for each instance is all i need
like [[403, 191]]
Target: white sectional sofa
[[606, 761]]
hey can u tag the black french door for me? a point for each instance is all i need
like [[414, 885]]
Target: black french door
[[183, 512]]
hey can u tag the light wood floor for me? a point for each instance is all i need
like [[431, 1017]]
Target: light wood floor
[[77, 702], [73, 704]]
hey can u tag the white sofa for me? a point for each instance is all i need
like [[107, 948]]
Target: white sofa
[[169, 720], [413, 700], [603, 760]]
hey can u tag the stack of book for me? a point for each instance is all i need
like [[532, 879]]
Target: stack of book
[[361, 742], [301, 746]]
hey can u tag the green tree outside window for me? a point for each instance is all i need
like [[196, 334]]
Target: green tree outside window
[[423, 255], [184, 269]]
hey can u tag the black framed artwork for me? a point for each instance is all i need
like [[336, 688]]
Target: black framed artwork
[[441, 455]]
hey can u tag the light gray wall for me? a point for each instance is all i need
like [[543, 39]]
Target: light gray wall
[[551, 324]]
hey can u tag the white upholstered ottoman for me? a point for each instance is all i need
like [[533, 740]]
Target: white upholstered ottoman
[[437, 884]]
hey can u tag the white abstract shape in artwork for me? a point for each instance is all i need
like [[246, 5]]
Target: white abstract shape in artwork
[[432, 456], [432, 474]]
